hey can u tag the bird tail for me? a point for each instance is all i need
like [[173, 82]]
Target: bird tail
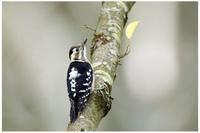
[[73, 111]]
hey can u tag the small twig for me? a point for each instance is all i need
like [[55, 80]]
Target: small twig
[[125, 53], [87, 27]]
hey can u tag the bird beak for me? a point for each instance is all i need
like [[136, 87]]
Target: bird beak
[[83, 43]]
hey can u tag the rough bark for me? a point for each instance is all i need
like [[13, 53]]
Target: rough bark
[[104, 58]]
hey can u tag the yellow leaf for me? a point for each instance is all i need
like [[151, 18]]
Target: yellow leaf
[[131, 28]]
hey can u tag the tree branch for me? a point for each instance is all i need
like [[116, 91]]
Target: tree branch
[[105, 59]]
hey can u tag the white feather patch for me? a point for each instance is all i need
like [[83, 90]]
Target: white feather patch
[[74, 74]]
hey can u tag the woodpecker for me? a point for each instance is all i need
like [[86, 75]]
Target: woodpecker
[[79, 79]]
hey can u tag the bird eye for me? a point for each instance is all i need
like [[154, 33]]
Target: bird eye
[[76, 50]]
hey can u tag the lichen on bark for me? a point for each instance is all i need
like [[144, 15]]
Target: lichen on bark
[[104, 58]]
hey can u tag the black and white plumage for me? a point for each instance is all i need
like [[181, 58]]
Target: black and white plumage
[[79, 80]]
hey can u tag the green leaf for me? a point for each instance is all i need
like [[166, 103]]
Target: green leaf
[[130, 29]]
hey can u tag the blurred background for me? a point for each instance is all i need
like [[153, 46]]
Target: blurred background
[[156, 86]]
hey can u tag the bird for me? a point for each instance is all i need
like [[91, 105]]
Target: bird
[[79, 79]]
